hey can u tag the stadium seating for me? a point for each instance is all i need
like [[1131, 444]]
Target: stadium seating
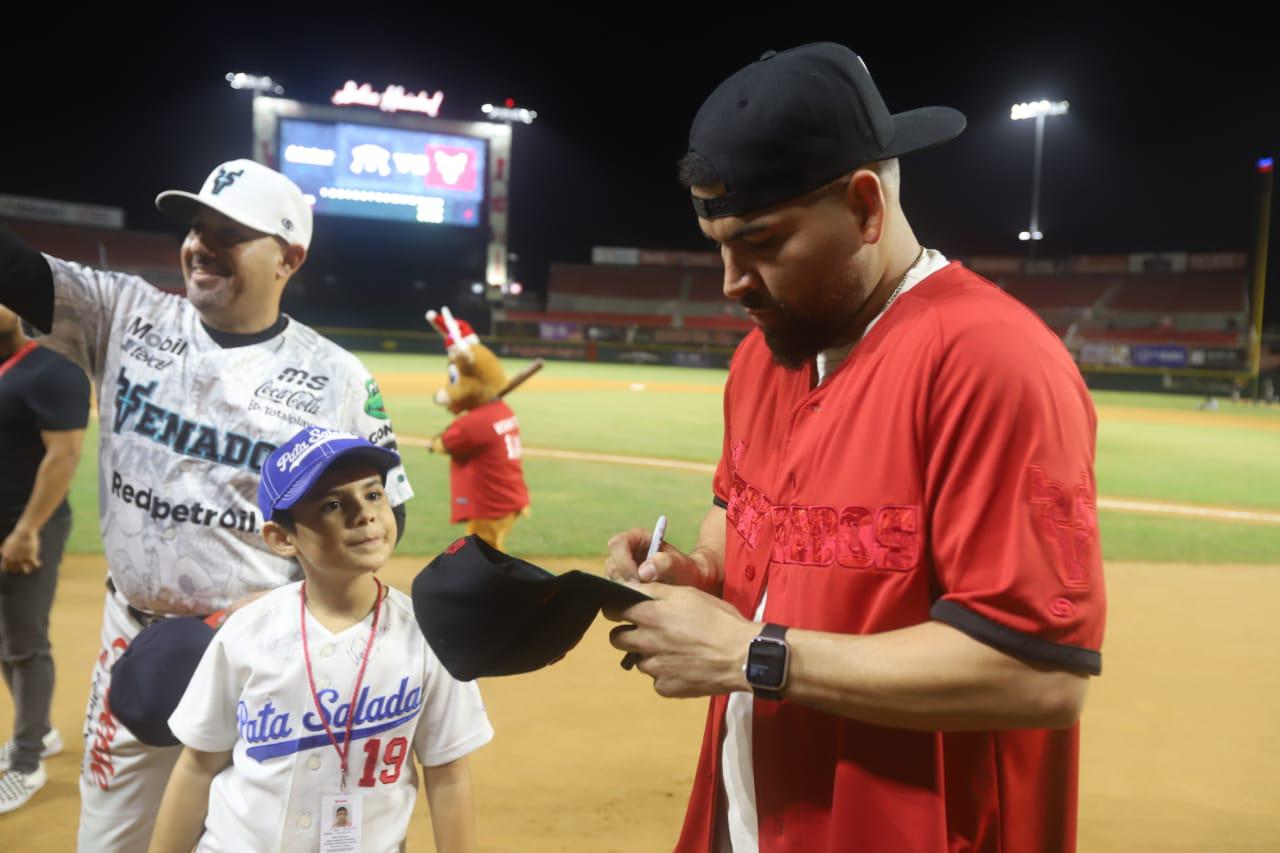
[[152, 256], [1180, 294], [685, 304], [1206, 309], [1046, 293], [585, 318], [1203, 337]]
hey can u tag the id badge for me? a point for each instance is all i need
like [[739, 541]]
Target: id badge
[[341, 822]]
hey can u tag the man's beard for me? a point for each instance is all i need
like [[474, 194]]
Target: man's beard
[[209, 299], [795, 341]]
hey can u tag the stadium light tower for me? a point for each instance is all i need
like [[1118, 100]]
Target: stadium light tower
[[259, 85], [1266, 171], [508, 112], [1037, 110]]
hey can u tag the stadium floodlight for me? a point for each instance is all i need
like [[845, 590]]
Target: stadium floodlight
[[509, 113], [1037, 110], [261, 85]]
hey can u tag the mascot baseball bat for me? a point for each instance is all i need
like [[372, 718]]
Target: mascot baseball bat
[[521, 377]]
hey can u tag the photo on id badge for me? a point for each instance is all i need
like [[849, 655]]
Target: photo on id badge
[[340, 823]]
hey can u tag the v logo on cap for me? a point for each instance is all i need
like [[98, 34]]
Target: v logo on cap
[[264, 200], [225, 179]]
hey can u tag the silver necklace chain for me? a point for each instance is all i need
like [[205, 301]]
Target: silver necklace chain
[[902, 283], [892, 296]]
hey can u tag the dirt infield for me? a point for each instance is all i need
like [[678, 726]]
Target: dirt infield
[[1179, 733]]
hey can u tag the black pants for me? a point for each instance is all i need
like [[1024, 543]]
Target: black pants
[[25, 656]]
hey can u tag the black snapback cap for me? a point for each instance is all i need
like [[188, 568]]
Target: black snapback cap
[[794, 121], [486, 613]]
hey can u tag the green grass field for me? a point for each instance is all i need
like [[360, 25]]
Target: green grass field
[[1150, 447]]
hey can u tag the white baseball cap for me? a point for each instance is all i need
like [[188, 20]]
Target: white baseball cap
[[249, 193]]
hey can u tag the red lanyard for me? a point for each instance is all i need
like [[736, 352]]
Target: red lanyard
[[345, 749], [23, 352]]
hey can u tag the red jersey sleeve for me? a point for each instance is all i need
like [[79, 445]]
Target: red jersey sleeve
[[464, 436], [1012, 498]]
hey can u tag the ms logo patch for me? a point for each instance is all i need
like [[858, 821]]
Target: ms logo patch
[[1066, 519], [225, 179], [373, 406]]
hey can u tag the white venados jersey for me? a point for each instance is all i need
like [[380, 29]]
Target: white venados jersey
[[250, 695], [184, 426]]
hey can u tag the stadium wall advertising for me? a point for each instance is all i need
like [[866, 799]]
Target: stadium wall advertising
[[1096, 354]]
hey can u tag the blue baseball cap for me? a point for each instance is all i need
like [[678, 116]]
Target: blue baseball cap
[[293, 467]]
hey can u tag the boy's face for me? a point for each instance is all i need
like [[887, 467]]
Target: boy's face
[[344, 524]]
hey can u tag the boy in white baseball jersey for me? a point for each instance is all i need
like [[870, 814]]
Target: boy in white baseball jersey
[[301, 718]]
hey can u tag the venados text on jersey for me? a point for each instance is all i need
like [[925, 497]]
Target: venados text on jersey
[[161, 509], [201, 441], [854, 537]]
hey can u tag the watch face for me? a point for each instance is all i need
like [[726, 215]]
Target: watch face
[[767, 664]]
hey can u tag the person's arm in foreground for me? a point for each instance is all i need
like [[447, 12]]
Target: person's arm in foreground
[[929, 676], [453, 817], [186, 801], [20, 551]]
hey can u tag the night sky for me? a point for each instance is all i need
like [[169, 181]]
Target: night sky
[[1167, 118]]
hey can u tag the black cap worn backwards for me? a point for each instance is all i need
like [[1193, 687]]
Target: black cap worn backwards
[[794, 121]]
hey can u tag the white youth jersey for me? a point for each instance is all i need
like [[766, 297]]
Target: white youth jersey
[[184, 426], [250, 695]]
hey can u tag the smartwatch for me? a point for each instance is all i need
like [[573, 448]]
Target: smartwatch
[[767, 659]]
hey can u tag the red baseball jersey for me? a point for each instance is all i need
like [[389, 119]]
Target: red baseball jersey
[[944, 471], [485, 475]]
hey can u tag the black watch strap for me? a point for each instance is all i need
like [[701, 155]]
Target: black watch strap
[[773, 632], [777, 634]]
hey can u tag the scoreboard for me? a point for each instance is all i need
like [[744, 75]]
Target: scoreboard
[[375, 164], [365, 170]]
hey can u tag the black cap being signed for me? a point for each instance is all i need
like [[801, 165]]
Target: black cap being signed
[[486, 613]]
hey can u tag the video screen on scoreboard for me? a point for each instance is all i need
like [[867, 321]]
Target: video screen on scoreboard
[[385, 172]]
